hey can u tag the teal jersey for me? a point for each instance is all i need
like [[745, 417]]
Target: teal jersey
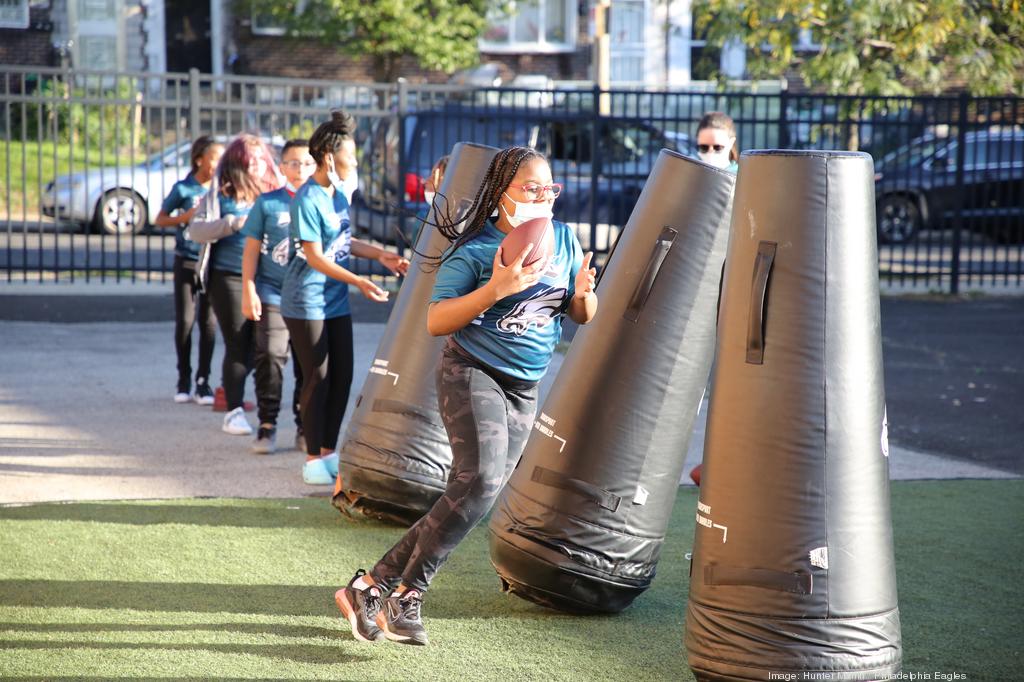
[[321, 218], [269, 223], [227, 251], [518, 334], [183, 197]]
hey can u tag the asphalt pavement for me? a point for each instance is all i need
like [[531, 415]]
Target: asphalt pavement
[[87, 375]]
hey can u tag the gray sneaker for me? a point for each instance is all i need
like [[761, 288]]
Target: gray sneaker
[[266, 440], [400, 620], [360, 607]]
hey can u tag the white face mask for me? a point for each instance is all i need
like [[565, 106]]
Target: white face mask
[[526, 210], [716, 159], [291, 188], [348, 186]]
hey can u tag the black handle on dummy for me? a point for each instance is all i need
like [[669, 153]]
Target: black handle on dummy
[[758, 300], [646, 283]]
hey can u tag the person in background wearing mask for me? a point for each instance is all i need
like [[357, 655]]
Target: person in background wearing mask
[[184, 197], [314, 294], [502, 324], [246, 171], [716, 141], [716, 145], [267, 252]]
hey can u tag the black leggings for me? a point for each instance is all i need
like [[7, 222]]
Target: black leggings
[[187, 302], [226, 298], [488, 416], [324, 351]]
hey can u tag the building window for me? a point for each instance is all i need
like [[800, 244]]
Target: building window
[[264, 25], [704, 59], [97, 52], [627, 25], [13, 13], [531, 26]]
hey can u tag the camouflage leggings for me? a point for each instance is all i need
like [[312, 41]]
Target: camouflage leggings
[[488, 417]]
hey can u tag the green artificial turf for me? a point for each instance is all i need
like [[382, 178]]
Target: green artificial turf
[[244, 589]]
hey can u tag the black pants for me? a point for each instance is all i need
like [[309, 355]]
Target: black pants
[[488, 416], [226, 298], [188, 301], [324, 350], [272, 347]]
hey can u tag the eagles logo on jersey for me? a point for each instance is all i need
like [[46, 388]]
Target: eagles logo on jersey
[[538, 310], [280, 253]]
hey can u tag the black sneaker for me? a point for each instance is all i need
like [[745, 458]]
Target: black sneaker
[[399, 618], [204, 394], [361, 607], [266, 440]]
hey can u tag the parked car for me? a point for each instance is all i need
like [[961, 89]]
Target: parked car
[[915, 186], [120, 199], [602, 186]]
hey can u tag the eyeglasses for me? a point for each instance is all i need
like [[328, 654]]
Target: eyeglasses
[[298, 164], [705, 148], [535, 191]]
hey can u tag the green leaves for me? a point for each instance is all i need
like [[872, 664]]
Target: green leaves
[[440, 35], [877, 47]]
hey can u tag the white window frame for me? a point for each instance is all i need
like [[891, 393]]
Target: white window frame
[[637, 49], [258, 30], [107, 28], [541, 45], [18, 23]]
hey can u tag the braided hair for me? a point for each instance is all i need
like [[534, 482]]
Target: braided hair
[[331, 135], [459, 230]]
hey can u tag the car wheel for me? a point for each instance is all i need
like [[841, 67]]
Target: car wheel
[[898, 219], [120, 211]]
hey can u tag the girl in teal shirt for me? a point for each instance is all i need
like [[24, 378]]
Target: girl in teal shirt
[[314, 295], [246, 171]]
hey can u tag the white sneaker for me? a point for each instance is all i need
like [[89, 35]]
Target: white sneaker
[[236, 424], [182, 397]]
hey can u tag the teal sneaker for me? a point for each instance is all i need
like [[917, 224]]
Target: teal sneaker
[[316, 472], [331, 462]]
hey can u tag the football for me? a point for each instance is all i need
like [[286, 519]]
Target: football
[[537, 231]]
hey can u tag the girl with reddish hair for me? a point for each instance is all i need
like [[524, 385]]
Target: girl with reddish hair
[[246, 170]]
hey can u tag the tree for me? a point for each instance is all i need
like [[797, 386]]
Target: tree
[[877, 47], [440, 34]]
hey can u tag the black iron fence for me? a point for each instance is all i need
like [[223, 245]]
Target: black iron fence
[[89, 156]]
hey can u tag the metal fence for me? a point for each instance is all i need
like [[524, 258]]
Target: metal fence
[[89, 156]]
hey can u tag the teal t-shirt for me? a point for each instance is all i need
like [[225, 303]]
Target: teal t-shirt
[[183, 196], [518, 334], [323, 218], [269, 223], [227, 251]]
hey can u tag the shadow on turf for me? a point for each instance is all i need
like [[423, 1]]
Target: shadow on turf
[[329, 654], [243, 628], [265, 515], [276, 600], [279, 600]]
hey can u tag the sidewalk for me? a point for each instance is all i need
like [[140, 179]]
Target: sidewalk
[[86, 414]]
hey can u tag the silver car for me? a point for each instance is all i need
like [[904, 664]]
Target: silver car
[[117, 199], [124, 199]]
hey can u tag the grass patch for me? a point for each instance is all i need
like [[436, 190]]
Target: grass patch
[[243, 589]]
